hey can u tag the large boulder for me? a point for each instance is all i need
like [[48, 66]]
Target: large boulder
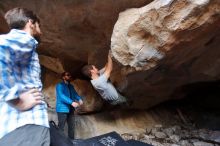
[[165, 46]]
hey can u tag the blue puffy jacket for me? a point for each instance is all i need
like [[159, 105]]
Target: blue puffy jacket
[[64, 97]]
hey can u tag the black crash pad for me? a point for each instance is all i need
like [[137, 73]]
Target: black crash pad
[[108, 139]]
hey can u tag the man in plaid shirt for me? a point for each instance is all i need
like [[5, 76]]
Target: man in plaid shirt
[[24, 120]]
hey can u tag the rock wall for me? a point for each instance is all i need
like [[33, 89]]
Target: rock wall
[[164, 46], [74, 33], [158, 48]]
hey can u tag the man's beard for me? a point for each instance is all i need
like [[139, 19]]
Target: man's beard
[[68, 80], [37, 37]]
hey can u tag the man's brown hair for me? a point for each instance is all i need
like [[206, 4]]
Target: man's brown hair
[[17, 18], [86, 70]]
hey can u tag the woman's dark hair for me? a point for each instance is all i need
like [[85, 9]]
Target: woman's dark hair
[[18, 17]]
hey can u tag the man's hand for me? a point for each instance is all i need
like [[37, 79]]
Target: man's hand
[[110, 54], [27, 100], [80, 102], [75, 104], [108, 66]]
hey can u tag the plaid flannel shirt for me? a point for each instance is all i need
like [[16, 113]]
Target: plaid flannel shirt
[[19, 71]]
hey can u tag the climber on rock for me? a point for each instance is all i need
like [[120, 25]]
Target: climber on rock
[[100, 81]]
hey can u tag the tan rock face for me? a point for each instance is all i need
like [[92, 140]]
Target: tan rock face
[[143, 36], [166, 45], [158, 49], [74, 33]]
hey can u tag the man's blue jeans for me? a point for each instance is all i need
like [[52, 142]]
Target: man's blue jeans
[[69, 118]]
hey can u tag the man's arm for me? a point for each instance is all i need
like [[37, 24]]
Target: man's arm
[[27, 100], [9, 88], [101, 71], [109, 66], [64, 98], [59, 91], [78, 98]]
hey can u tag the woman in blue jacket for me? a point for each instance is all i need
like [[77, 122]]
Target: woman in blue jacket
[[67, 100]]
